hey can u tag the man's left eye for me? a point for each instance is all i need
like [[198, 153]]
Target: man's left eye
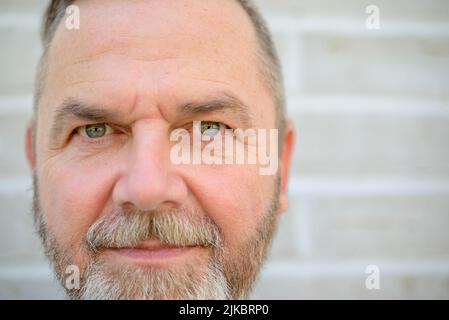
[[211, 128], [94, 131]]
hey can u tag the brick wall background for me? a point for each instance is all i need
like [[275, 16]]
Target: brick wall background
[[370, 178]]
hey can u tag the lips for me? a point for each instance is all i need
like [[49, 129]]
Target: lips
[[154, 244], [153, 249]]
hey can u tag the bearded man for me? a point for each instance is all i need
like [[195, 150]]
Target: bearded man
[[107, 197]]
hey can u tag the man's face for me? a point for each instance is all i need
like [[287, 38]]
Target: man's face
[[108, 199]]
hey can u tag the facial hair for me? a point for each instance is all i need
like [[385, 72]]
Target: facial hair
[[227, 275]]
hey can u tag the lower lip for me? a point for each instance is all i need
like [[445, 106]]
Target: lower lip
[[154, 254]]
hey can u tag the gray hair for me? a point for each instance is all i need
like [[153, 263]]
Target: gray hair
[[270, 66]]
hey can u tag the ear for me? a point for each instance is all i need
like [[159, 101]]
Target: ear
[[29, 141], [287, 150]]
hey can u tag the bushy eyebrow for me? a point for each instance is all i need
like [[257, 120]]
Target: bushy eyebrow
[[224, 103], [72, 108]]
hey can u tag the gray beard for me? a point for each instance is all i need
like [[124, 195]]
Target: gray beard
[[144, 284], [226, 276]]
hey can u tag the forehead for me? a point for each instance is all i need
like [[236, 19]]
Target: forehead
[[154, 47], [152, 28]]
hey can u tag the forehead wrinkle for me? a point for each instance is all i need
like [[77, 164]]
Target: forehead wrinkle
[[123, 45]]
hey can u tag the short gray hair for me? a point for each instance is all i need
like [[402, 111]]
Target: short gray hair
[[270, 66]]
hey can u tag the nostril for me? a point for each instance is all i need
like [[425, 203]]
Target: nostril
[[149, 182], [147, 194]]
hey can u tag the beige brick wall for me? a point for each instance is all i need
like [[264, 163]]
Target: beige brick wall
[[370, 183]]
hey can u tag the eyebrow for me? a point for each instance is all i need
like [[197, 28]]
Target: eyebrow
[[72, 108], [224, 103]]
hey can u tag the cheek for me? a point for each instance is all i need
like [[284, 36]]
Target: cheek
[[235, 197], [72, 196]]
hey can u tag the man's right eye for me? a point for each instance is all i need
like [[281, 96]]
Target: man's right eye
[[94, 131]]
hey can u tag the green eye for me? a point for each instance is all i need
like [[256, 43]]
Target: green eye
[[210, 128], [95, 130]]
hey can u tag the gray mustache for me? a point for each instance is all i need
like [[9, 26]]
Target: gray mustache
[[124, 229]]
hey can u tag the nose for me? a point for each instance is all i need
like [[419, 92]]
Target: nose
[[149, 179]]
